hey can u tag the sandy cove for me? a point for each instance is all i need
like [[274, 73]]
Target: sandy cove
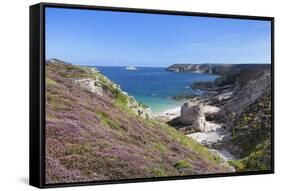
[[170, 114], [212, 135]]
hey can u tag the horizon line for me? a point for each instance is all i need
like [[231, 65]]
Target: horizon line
[[203, 63]]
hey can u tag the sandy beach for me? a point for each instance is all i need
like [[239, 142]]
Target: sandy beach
[[168, 114]]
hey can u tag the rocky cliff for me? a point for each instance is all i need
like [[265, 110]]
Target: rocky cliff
[[95, 131], [218, 69], [242, 122], [238, 86]]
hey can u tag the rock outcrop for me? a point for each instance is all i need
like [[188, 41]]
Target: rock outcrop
[[93, 85], [194, 114]]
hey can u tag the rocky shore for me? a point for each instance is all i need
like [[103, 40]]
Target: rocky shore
[[211, 119]]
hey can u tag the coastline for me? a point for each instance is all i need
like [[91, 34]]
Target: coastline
[[168, 114], [202, 111]]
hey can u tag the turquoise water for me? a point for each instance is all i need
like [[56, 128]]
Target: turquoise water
[[154, 86]]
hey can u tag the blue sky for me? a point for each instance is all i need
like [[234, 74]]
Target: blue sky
[[88, 37]]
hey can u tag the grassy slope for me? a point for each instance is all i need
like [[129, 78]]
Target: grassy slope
[[91, 137], [252, 134]]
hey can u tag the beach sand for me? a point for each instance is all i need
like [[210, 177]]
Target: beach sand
[[168, 114]]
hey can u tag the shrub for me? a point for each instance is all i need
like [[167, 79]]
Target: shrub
[[159, 172], [182, 164]]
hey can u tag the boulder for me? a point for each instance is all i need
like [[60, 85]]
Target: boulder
[[192, 115]]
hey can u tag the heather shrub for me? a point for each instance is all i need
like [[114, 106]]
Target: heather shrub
[[92, 137]]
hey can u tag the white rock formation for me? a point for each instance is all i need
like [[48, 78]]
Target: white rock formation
[[193, 114], [90, 84]]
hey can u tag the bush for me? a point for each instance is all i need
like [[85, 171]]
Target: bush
[[159, 172], [182, 164]]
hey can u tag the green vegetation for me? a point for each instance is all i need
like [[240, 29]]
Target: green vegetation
[[160, 147], [252, 135], [190, 143], [159, 172], [50, 82], [105, 120], [182, 164], [80, 149], [56, 101], [121, 100], [259, 159]]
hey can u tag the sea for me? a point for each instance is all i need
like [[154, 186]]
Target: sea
[[155, 86]]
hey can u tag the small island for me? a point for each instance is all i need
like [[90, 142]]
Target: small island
[[131, 68]]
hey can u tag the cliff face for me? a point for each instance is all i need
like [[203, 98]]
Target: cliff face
[[218, 69], [242, 83], [201, 68], [249, 86], [94, 131], [243, 96]]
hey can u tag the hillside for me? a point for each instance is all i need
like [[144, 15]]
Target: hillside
[[94, 131], [251, 136]]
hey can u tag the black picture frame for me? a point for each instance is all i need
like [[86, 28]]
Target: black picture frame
[[37, 93]]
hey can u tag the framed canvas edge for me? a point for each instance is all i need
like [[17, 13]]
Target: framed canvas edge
[[40, 57], [35, 98]]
